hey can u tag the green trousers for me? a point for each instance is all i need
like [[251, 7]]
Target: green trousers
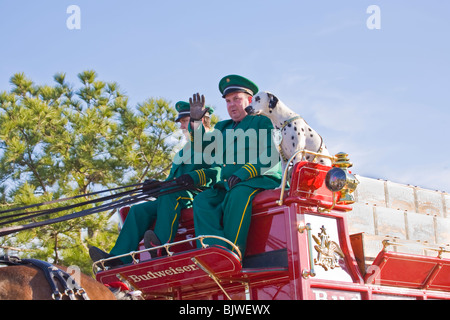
[[225, 214], [165, 210]]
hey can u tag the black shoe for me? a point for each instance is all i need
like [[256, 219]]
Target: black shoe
[[97, 254], [150, 241]]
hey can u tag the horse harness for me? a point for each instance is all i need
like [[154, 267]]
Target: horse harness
[[53, 275]]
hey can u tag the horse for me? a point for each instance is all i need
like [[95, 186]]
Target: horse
[[31, 279]]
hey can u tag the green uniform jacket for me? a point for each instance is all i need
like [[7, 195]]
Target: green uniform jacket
[[246, 151], [183, 163]]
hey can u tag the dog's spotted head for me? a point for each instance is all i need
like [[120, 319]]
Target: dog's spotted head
[[263, 103]]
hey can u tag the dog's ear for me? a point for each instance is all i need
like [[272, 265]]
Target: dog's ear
[[273, 100]]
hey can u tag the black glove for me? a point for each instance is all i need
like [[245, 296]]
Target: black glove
[[197, 105], [185, 180], [149, 184], [232, 181]]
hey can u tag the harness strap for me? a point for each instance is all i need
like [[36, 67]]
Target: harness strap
[[10, 260], [53, 275]]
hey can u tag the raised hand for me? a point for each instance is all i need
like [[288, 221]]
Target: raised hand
[[198, 109]]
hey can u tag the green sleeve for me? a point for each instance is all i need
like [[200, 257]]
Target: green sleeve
[[206, 177]]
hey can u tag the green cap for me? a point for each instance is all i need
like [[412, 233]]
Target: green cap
[[235, 83], [184, 110]]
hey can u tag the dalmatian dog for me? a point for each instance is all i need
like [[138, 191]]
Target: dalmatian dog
[[295, 132]]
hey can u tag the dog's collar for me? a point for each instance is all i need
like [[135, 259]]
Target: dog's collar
[[280, 149], [289, 121]]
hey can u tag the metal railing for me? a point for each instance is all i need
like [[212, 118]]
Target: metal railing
[[440, 249], [100, 264]]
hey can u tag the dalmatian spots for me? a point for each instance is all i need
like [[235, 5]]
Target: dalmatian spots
[[297, 134]]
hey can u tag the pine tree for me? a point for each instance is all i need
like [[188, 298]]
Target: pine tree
[[57, 142]]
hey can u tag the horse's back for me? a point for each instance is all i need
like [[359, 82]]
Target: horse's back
[[19, 282], [29, 283]]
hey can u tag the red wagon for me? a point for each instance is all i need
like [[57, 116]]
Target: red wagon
[[298, 248]]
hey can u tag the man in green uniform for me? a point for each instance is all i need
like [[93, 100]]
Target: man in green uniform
[[166, 209], [225, 209]]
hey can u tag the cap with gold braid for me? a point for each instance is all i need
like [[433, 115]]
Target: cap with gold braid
[[235, 83]]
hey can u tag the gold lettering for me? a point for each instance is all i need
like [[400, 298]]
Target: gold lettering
[[135, 278], [151, 275]]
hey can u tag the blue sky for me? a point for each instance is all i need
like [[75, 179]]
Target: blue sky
[[379, 95]]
